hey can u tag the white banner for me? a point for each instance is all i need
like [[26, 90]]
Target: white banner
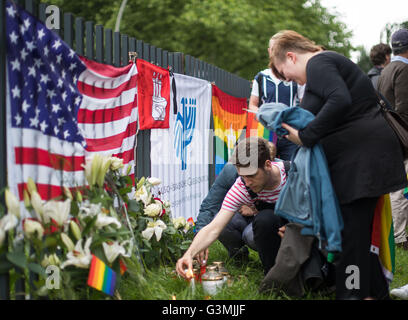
[[180, 154]]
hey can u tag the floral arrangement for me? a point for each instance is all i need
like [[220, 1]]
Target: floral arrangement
[[110, 219]]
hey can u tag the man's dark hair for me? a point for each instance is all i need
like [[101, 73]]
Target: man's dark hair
[[378, 53], [399, 51]]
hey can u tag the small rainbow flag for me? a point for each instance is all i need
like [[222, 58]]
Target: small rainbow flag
[[382, 237], [101, 277], [191, 222]]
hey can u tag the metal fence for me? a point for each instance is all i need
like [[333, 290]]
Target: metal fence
[[103, 45]]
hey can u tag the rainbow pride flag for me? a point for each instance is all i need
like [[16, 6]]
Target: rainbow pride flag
[[256, 129], [101, 277], [229, 121], [382, 236], [191, 223]]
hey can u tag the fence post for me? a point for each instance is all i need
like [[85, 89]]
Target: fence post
[[79, 36], [69, 29], [116, 49], [89, 40], [108, 46], [124, 49], [99, 43]]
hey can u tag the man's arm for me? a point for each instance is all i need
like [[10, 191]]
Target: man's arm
[[213, 201], [203, 240]]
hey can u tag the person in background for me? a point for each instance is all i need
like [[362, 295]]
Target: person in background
[[238, 235], [363, 153], [266, 87], [393, 85], [259, 184], [380, 56]]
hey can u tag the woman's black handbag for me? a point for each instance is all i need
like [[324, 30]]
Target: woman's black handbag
[[396, 121]]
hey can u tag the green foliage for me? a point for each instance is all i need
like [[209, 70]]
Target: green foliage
[[389, 29], [231, 34], [364, 61]]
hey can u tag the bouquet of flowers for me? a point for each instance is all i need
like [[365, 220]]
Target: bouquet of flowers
[[108, 219]]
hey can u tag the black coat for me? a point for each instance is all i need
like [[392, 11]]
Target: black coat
[[363, 153]]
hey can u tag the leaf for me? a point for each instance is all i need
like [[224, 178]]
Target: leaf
[[170, 230], [89, 226], [134, 206], [17, 258], [36, 268]]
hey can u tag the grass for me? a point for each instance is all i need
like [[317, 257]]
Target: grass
[[162, 284]]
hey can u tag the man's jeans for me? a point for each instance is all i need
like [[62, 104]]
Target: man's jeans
[[260, 233]]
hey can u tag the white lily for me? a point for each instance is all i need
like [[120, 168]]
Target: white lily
[[31, 185], [156, 228], [154, 181], [103, 220], [88, 171], [88, 209], [12, 203], [104, 167], [67, 241], [68, 193], [32, 228], [179, 222], [81, 256], [73, 226], [153, 210], [51, 259], [143, 195], [56, 210], [116, 163], [8, 222], [112, 251], [37, 204]]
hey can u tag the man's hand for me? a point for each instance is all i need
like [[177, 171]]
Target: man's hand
[[184, 263], [247, 211], [202, 257], [281, 231]]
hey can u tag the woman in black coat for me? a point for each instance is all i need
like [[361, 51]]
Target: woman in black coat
[[363, 153]]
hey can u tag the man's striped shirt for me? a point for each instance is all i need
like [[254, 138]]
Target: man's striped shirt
[[238, 194]]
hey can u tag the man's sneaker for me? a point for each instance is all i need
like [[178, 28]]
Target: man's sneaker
[[401, 293]]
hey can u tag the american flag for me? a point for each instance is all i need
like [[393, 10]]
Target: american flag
[[62, 108]]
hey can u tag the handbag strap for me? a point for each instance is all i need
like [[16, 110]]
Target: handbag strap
[[383, 102]]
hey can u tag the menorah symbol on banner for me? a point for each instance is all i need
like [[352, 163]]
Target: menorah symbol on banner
[[158, 102], [184, 129]]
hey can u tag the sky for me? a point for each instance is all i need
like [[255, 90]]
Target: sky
[[367, 18]]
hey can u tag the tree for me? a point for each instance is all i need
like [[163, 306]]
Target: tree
[[364, 61], [232, 34], [389, 29]]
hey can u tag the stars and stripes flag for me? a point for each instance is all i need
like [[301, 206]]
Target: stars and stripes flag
[[62, 108]]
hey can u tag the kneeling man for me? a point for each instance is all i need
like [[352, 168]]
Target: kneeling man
[[259, 184]]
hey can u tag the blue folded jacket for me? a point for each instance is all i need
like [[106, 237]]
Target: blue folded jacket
[[308, 196]]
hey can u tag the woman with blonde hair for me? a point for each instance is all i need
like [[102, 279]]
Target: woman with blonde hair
[[363, 153]]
